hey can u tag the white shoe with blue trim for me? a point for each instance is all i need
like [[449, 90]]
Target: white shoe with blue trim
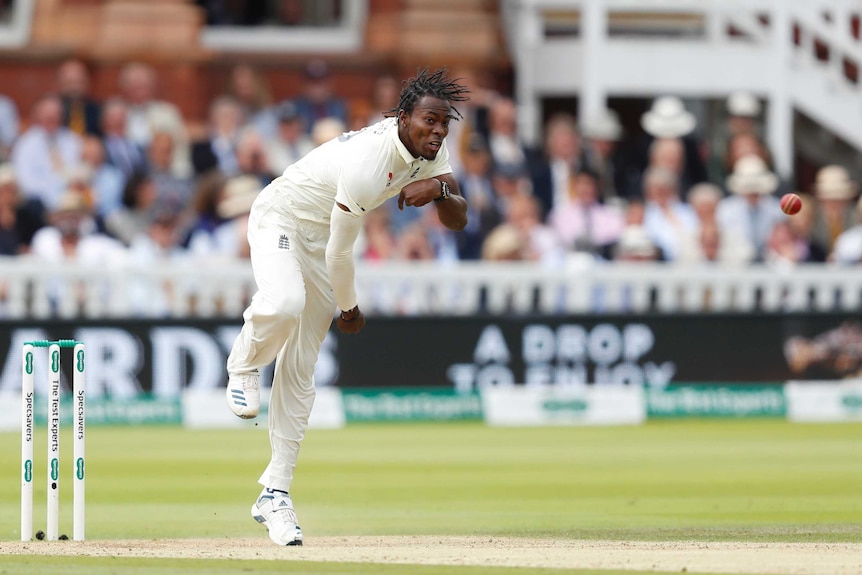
[[274, 510], [243, 394]]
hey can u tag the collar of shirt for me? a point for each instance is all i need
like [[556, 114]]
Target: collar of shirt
[[399, 145]]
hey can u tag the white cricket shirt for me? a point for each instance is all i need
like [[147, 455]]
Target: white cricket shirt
[[360, 170]]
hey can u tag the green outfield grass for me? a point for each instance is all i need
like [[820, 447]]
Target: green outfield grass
[[753, 480]]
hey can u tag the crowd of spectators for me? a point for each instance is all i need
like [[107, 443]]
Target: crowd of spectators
[[121, 179]]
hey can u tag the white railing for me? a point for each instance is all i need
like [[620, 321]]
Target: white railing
[[793, 53], [32, 290]]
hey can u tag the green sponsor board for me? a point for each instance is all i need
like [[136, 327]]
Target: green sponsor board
[[411, 404], [142, 410], [717, 401]]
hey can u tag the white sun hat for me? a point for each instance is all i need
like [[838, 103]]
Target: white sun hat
[[603, 125], [834, 183], [743, 104], [751, 176], [668, 118]]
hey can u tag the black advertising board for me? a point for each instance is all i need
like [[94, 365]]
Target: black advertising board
[[127, 357]]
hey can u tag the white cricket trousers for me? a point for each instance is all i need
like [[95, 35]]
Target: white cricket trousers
[[287, 320]]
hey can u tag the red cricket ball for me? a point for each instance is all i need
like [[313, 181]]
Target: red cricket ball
[[791, 204]]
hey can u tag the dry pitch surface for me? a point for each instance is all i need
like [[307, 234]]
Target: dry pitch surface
[[723, 557]]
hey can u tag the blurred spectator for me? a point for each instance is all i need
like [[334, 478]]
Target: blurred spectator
[[741, 145], [379, 242], [848, 246], [45, 153], [743, 110], [19, 218], [563, 156], [504, 243], [81, 112], [783, 247], [218, 151], [582, 223], [802, 226], [505, 144], [412, 244], [170, 187], [667, 219], [9, 126], [204, 204], [635, 245], [483, 212], [290, 142], [509, 181], [751, 211], [602, 133], [668, 119], [707, 243], [836, 194], [669, 154], [71, 236], [326, 129], [120, 150], [107, 181], [540, 241], [159, 243], [138, 203], [250, 90], [147, 114], [228, 239], [251, 158], [318, 100], [384, 97], [472, 116]]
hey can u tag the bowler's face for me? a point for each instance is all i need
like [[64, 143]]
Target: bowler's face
[[423, 131]]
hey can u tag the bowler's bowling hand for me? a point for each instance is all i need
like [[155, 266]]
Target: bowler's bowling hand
[[351, 321]]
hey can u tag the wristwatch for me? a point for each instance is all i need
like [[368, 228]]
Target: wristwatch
[[444, 192]]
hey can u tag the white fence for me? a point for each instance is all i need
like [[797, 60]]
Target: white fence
[[30, 289]]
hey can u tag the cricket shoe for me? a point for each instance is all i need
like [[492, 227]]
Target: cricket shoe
[[274, 510], [243, 394]]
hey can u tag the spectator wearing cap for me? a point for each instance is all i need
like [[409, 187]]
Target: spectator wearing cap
[[635, 245], [836, 194], [583, 224], [45, 153], [318, 99], [19, 218], [668, 119], [602, 134], [291, 141], [751, 211], [743, 112], [737, 136], [667, 219], [71, 236]]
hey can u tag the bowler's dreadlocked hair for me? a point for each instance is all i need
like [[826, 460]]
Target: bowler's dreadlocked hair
[[437, 85]]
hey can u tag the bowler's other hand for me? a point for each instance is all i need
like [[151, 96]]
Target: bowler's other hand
[[419, 193], [350, 321]]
